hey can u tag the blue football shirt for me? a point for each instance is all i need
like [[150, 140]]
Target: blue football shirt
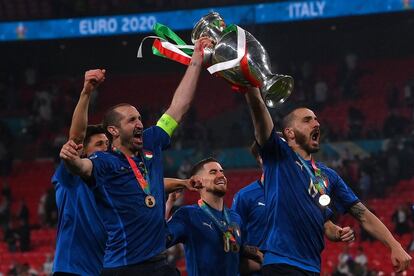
[[294, 218], [249, 203], [81, 236], [203, 241], [135, 232]]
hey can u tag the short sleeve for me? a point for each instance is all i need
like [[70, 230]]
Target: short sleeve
[[155, 137], [272, 148], [177, 230], [63, 177], [101, 167], [328, 214], [343, 197]]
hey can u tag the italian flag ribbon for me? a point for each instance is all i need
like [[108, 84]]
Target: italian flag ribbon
[[241, 59], [241, 51], [180, 51]]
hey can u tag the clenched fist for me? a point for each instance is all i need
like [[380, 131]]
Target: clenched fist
[[93, 78]]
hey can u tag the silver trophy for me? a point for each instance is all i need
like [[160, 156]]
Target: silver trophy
[[252, 67]]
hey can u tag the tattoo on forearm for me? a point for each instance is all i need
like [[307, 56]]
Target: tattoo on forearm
[[358, 211], [193, 63]]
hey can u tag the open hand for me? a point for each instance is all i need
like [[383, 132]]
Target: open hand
[[196, 182], [191, 185]]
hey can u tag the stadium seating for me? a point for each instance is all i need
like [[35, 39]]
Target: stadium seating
[[31, 178]]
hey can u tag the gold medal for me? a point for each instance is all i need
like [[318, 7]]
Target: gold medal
[[235, 247], [150, 201], [324, 200], [226, 242]]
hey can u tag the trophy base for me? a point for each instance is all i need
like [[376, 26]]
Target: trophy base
[[277, 89]]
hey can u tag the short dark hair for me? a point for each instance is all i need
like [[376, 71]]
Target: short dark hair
[[199, 165], [92, 130], [112, 118], [289, 116]]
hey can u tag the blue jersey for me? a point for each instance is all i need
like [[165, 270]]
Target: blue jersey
[[294, 218], [135, 232], [249, 203], [81, 235], [203, 241]]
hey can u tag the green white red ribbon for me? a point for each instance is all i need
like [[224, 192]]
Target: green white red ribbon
[[241, 50], [180, 52]]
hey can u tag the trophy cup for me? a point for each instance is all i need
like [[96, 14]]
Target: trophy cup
[[239, 58]]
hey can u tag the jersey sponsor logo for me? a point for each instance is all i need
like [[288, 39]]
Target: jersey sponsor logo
[[261, 203], [209, 225]]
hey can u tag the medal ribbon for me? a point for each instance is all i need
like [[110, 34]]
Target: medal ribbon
[[323, 183], [141, 180], [262, 180], [320, 183], [225, 229]]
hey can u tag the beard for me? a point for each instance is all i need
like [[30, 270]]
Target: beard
[[304, 142], [126, 141], [216, 191]]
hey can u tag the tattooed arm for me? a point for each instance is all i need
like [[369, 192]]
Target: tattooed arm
[[400, 259]]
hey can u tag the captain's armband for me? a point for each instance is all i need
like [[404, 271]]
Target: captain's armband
[[167, 123]]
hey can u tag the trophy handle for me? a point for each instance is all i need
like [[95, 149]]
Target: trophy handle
[[277, 89]]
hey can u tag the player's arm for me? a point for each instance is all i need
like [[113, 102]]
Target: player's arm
[[184, 93], [177, 227], [335, 233], [76, 165], [93, 78], [175, 184], [172, 198], [399, 257], [252, 253], [262, 121], [248, 266]]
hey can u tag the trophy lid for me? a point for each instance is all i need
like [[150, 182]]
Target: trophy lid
[[210, 25]]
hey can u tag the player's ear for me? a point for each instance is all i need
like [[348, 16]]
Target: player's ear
[[289, 133], [113, 130]]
